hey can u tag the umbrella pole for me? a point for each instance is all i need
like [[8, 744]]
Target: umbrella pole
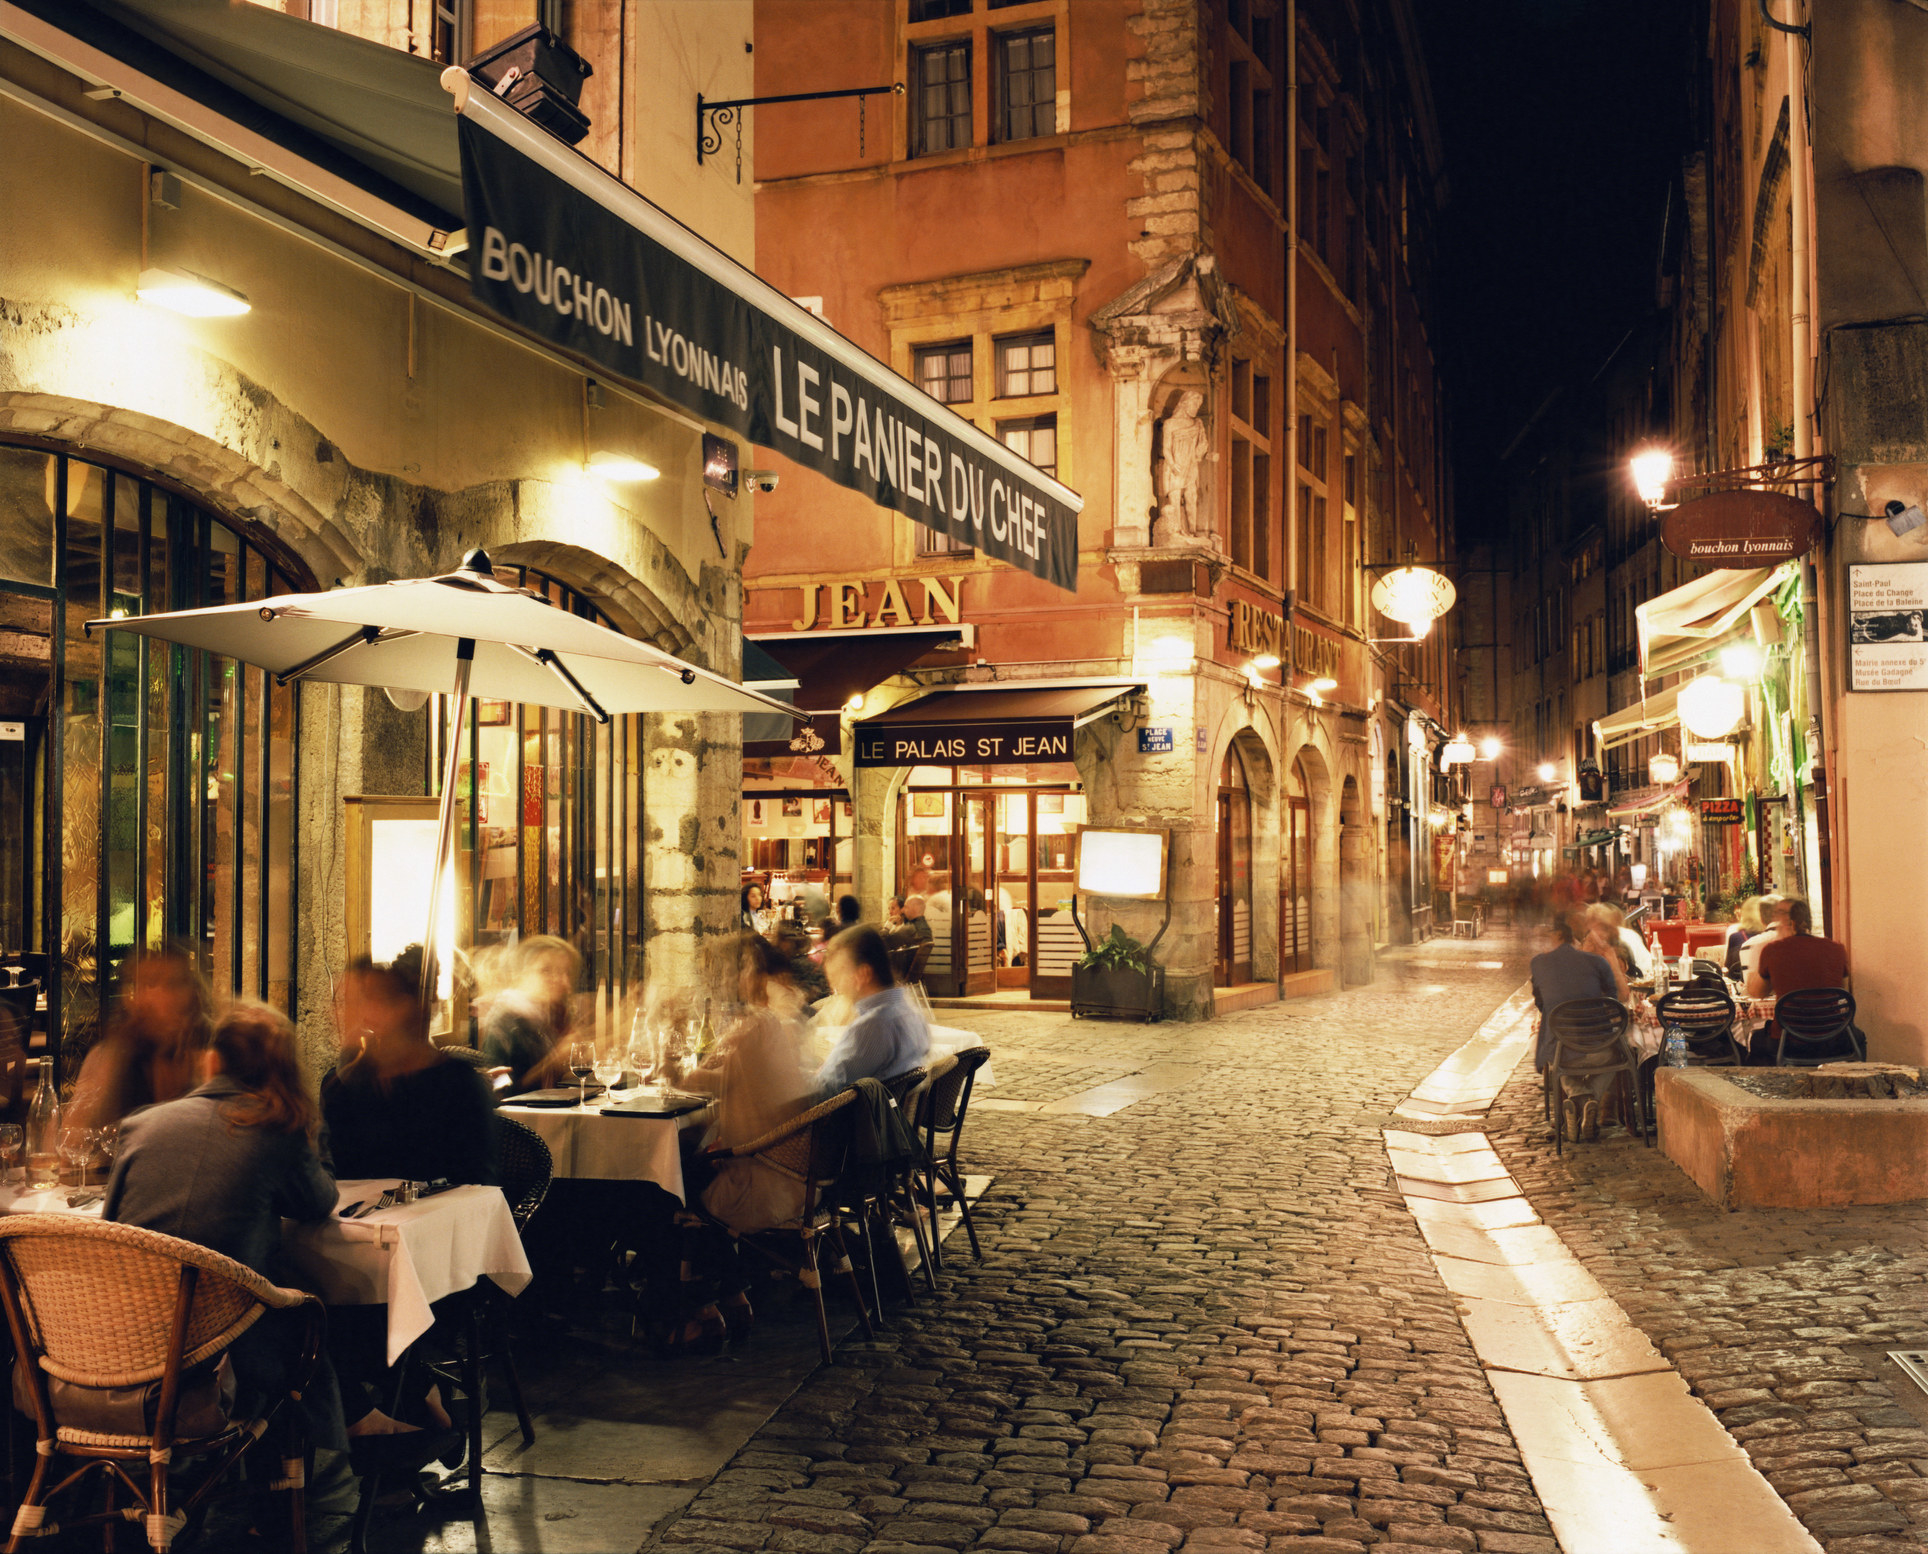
[[458, 707]]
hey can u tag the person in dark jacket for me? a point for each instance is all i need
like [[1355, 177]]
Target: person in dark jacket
[[395, 1106], [526, 1029], [153, 1047], [222, 1167]]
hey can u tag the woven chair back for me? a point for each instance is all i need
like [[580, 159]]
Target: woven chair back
[[919, 959], [941, 1070], [99, 1298], [525, 1166], [1588, 1025], [1815, 1015], [944, 1102], [468, 1057]]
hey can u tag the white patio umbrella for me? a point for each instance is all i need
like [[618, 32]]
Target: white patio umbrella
[[464, 633]]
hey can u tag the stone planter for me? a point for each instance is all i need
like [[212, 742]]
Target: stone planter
[[1748, 1151], [1118, 993]]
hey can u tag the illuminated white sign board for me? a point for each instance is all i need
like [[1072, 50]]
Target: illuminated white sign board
[[1128, 864]]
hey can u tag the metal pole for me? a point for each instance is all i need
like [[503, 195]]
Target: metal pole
[[458, 709]]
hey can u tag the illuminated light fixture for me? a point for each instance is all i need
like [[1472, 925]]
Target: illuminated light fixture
[[1490, 748], [1663, 769], [1711, 707], [1715, 750], [1742, 661], [1320, 686], [1457, 752], [1652, 469], [1414, 596], [1548, 771], [620, 467], [855, 704], [1266, 661], [193, 296]]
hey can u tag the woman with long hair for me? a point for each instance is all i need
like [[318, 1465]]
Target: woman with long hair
[[152, 1049], [527, 1024]]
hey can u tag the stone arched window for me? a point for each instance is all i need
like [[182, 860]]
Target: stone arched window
[[147, 791]]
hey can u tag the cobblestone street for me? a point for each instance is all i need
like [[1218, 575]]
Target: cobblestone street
[[1205, 1321]]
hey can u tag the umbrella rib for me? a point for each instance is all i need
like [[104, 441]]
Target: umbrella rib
[[364, 636], [547, 658]]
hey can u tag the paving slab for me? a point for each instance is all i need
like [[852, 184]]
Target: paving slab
[[1499, 1214], [1462, 1165], [1574, 1340], [1531, 1284]]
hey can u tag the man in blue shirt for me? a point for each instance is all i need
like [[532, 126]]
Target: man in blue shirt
[[888, 1034]]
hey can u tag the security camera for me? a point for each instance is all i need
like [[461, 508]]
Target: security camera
[[765, 480]]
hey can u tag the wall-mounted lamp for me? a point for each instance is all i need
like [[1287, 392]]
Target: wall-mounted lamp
[[620, 468], [1548, 771], [855, 705], [1663, 769], [1652, 469], [1266, 661], [1456, 752], [1742, 661], [193, 296], [1322, 685], [1490, 748]]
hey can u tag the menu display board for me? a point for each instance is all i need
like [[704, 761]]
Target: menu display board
[[1888, 626]]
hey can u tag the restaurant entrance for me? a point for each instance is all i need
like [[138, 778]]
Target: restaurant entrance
[[989, 848], [1295, 874], [1234, 963]]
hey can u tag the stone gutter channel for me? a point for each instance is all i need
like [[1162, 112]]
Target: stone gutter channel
[[1623, 1456]]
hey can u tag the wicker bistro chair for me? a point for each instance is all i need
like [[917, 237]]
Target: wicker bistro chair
[[95, 1306], [897, 1197], [1590, 1038], [940, 1119], [1816, 1026], [810, 1149], [1705, 1013]]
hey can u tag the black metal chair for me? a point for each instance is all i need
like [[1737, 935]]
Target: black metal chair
[[1705, 1011], [897, 1196], [1816, 1026], [1590, 1039], [940, 1114]]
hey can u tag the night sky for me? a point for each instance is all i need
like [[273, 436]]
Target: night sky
[[1564, 122]]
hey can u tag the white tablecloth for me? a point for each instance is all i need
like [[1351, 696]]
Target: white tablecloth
[[584, 1143], [409, 1256]]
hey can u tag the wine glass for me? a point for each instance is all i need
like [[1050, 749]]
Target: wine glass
[[609, 1068], [106, 1141], [13, 1144], [641, 1051], [76, 1149], [582, 1063]]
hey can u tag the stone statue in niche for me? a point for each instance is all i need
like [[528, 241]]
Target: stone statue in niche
[[1185, 444]]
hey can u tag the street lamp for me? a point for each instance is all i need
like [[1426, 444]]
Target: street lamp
[[1742, 661], [1652, 469], [1548, 771], [1457, 752], [1490, 748], [1711, 707]]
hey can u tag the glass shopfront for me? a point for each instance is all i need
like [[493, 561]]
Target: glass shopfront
[[991, 848], [147, 791], [796, 838], [549, 827]]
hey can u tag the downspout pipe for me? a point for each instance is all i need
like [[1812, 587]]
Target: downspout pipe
[[1289, 506]]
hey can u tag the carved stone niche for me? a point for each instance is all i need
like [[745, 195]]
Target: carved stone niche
[[1161, 340]]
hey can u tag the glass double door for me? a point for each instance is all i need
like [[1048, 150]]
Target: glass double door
[[999, 889]]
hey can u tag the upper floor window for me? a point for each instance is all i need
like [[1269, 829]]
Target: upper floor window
[[1314, 536], [944, 371], [1249, 475], [1027, 83], [938, 10], [1035, 437], [941, 112], [1027, 364], [1249, 127]]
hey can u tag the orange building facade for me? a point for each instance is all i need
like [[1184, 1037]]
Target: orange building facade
[[1074, 226]]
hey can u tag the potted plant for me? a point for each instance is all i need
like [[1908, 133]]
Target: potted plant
[[1118, 978]]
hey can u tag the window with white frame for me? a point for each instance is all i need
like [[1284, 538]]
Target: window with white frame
[[941, 100], [1027, 364], [1026, 83], [944, 371], [1249, 471]]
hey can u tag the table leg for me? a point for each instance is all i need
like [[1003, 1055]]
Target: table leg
[[472, 1384]]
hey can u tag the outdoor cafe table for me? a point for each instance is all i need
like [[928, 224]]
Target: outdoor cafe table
[[405, 1258], [585, 1143]]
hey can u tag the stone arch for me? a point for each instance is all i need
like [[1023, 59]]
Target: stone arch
[[1252, 737], [633, 607], [1355, 886], [226, 481], [1317, 765]]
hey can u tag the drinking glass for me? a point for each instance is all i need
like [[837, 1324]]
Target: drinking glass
[[106, 1140], [76, 1149], [582, 1063], [13, 1143], [609, 1068], [641, 1052]]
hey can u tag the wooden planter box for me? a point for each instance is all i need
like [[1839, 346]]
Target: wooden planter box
[[1118, 994]]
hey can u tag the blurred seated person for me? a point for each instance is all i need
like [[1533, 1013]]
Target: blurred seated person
[[222, 1166], [526, 1028], [893, 911], [1590, 934], [803, 972], [757, 915], [1794, 959], [1563, 974], [887, 1034], [153, 1045], [1633, 954], [912, 928], [1770, 930], [849, 910], [395, 1105], [1748, 922]]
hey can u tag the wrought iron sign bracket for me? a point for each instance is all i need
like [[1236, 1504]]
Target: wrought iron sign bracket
[[712, 118], [1778, 475]]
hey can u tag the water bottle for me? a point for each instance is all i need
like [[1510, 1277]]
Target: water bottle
[[43, 1133], [1676, 1047]]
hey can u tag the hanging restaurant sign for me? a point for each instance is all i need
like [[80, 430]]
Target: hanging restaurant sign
[[1742, 529], [1722, 812], [584, 261], [1007, 742]]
